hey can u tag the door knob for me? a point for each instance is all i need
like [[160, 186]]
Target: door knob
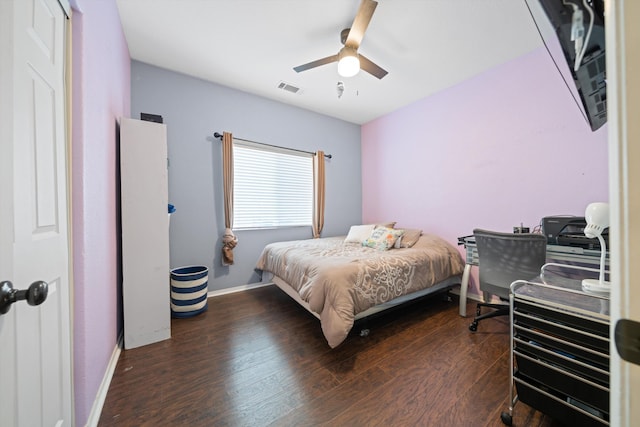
[[35, 294], [627, 339]]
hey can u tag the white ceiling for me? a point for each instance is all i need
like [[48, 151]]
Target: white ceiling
[[253, 45]]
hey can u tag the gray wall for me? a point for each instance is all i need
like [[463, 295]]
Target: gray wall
[[193, 110]]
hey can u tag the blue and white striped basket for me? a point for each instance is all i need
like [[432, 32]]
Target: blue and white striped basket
[[189, 286]]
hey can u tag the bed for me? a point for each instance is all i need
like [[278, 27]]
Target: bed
[[340, 281]]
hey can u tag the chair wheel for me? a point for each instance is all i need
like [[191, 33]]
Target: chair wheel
[[473, 327], [478, 311], [506, 418]]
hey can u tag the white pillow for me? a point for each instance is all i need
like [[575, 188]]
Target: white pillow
[[359, 233]]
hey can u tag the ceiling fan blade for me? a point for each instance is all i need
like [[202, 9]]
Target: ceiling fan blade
[[360, 23], [371, 68], [316, 63]]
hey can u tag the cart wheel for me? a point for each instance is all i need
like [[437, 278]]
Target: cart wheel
[[506, 418], [473, 327]]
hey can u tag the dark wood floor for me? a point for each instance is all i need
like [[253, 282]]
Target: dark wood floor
[[256, 358]]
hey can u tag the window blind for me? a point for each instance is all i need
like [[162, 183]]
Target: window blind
[[272, 187]]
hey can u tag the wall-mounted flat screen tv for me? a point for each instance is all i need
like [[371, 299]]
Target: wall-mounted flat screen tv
[[579, 26]]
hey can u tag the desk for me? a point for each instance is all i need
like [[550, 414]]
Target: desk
[[555, 253]]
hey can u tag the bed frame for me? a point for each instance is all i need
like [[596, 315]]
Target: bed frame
[[438, 287]]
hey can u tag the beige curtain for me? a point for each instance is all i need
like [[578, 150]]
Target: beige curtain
[[318, 193], [229, 240]]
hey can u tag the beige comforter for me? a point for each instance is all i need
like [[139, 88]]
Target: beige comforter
[[339, 280]]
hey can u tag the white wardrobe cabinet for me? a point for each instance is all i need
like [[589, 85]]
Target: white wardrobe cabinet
[[145, 232]]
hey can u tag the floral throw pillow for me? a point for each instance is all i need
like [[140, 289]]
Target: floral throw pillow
[[382, 238]]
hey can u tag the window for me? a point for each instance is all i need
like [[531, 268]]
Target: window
[[272, 187]]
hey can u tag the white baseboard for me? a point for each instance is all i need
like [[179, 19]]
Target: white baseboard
[[237, 289], [101, 396], [475, 297]]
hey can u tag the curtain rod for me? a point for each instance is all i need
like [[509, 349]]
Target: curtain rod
[[219, 136]]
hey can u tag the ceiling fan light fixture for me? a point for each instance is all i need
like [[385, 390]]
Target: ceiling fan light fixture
[[348, 62]]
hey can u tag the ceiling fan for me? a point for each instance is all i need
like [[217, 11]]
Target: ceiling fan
[[348, 58]]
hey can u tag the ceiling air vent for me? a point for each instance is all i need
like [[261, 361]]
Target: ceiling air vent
[[289, 88]]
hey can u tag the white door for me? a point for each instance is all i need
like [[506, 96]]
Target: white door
[[35, 351], [623, 110]]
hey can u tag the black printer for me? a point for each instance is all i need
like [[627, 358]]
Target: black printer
[[568, 230]]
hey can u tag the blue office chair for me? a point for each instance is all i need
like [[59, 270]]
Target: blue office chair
[[504, 258]]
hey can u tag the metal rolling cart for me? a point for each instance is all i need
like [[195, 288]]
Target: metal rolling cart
[[560, 347]]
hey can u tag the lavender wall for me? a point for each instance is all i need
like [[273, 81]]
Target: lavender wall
[[101, 95], [509, 146]]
